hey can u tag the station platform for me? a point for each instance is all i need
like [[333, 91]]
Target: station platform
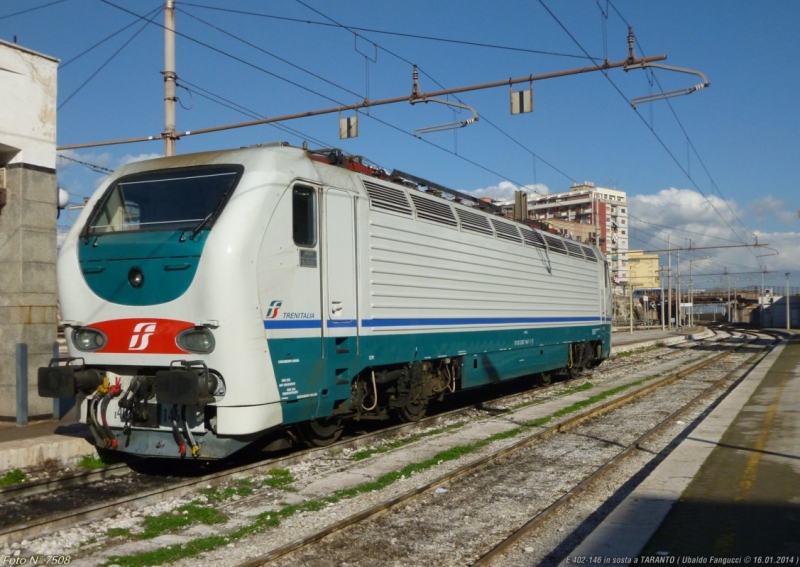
[[729, 492]]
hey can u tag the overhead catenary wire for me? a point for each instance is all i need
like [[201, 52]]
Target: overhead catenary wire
[[147, 16], [658, 138], [340, 105], [387, 32], [686, 134], [106, 62], [32, 9], [483, 116]]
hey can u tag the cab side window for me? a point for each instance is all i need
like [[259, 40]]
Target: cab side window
[[304, 209]]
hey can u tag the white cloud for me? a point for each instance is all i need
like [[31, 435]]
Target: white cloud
[[129, 158], [690, 219], [504, 191]]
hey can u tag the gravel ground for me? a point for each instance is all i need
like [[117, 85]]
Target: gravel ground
[[436, 523]]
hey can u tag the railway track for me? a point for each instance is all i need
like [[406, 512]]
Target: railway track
[[186, 486], [344, 540]]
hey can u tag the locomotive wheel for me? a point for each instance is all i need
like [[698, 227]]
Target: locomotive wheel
[[413, 411], [544, 379], [320, 432]]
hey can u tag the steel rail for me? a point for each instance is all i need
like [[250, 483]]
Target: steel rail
[[80, 478], [471, 467], [49, 524], [489, 557]]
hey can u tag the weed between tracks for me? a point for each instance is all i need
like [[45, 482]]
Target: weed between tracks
[[196, 513], [13, 477]]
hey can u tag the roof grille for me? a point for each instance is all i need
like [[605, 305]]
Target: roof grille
[[574, 249], [435, 211], [387, 198], [506, 231], [474, 222], [590, 255], [532, 237], [555, 244]]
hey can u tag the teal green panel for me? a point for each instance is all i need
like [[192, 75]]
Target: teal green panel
[[491, 367], [168, 260], [310, 385]]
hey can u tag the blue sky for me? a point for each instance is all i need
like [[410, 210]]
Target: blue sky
[[717, 167]]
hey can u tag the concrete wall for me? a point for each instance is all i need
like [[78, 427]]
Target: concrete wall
[[28, 221]]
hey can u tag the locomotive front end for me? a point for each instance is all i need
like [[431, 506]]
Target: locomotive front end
[[142, 282]]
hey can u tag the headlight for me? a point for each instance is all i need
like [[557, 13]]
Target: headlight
[[200, 341], [87, 339]]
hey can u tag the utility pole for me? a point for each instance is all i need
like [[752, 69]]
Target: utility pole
[[669, 284], [169, 78], [678, 316], [788, 300]]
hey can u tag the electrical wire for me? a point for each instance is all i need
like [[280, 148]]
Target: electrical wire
[[31, 9], [150, 14], [222, 101], [93, 167], [483, 117], [683, 129], [658, 138], [386, 32], [298, 85], [281, 59], [107, 61]]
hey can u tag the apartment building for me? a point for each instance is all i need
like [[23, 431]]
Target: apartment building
[[589, 214]]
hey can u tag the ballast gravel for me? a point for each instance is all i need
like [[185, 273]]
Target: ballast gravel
[[431, 530]]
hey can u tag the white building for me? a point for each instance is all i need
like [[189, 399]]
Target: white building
[[27, 219]]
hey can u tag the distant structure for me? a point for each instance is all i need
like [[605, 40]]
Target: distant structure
[[643, 270], [589, 214], [28, 200]]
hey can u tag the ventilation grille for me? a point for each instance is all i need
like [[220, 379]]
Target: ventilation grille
[[474, 222], [435, 211], [590, 255], [532, 238], [506, 231], [387, 198], [555, 244], [574, 249]]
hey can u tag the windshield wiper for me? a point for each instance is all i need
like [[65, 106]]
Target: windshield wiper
[[203, 222]]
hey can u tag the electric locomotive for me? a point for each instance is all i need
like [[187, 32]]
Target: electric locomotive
[[224, 298]]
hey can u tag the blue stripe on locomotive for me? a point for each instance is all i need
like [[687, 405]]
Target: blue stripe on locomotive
[[311, 385]]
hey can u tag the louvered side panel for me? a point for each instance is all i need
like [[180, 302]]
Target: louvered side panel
[[474, 222], [387, 198], [574, 249], [432, 210], [506, 231], [555, 244], [532, 237]]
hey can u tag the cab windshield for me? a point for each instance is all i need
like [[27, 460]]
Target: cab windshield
[[165, 200]]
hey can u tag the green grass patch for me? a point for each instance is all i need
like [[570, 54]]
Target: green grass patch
[[187, 514], [243, 487], [118, 532], [13, 477], [278, 478], [93, 461], [366, 453]]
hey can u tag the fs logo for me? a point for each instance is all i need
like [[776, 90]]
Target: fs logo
[[141, 335], [274, 306]]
